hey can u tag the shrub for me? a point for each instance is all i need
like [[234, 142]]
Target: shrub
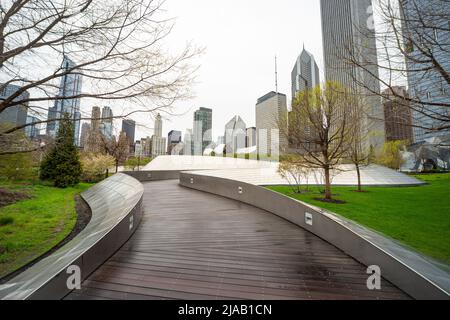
[[390, 156]]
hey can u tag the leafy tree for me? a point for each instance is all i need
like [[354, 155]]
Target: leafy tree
[[390, 156], [62, 164], [95, 166], [137, 162], [15, 166]]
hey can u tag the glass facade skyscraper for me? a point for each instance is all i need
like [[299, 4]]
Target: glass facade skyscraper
[[429, 85], [349, 35], [202, 130], [70, 86], [305, 74]]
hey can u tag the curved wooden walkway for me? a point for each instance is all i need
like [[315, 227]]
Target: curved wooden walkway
[[194, 245]]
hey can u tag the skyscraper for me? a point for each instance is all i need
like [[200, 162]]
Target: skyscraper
[[158, 126], [85, 131], [235, 135], [188, 143], [158, 142], [174, 139], [70, 86], [16, 115], [348, 36], [202, 130], [305, 74], [107, 122], [129, 128], [92, 142], [422, 19], [270, 109]]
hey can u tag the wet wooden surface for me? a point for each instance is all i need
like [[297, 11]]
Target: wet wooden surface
[[194, 245]]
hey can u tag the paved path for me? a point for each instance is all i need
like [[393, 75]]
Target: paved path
[[194, 245]]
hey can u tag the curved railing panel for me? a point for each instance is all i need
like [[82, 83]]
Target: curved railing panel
[[116, 205], [416, 275]]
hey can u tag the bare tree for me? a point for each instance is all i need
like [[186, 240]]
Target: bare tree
[[118, 148], [117, 47], [320, 127], [413, 40]]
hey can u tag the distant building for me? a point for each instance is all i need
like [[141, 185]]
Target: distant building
[[220, 140], [251, 137], [188, 143], [158, 126], [33, 131], [158, 142], [202, 130], [174, 139], [158, 146], [305, 74], [129, 128], [107, 122], [16, 115], [85, 130], [347, 37], [70, 86], [398, 116], [93, 140], [235, 134], [270, 109]]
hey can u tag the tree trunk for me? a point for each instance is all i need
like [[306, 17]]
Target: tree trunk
[[358, 171], [328, 195], [117, 166], [107, 174]]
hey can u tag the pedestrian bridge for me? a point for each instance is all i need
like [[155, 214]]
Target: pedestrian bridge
[[216, 234]]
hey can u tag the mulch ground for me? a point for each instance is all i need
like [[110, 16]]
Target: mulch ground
[[8, 197]]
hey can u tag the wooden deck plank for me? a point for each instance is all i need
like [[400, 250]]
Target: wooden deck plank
[[194, 245]]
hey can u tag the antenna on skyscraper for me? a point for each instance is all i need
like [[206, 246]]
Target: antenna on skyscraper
[[276, 75]]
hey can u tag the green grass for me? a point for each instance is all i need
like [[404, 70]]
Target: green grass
[[32, 227], [416, 216]]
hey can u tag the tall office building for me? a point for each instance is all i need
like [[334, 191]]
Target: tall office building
[[174, 139], [129, 128], [158, 126], [305, 74], [16, 115], [33, 130], [202, 130], [70, 86], [348, 35], [92, 142], [85, 131], [270, 109], [158, 142], [398, 115], [429, 85], [188, 143], [107, 122], [235, 135]]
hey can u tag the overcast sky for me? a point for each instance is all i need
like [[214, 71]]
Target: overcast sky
[[241, 39]]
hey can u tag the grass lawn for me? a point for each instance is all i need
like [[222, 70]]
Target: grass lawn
[[32, 227], [416, 216]]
